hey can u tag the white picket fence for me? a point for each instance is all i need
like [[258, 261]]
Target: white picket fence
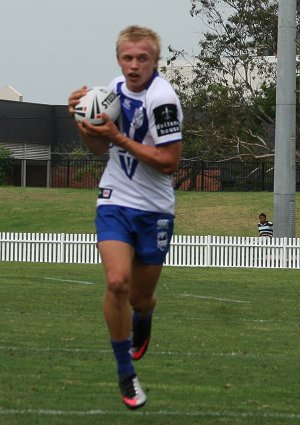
[[192, 251]]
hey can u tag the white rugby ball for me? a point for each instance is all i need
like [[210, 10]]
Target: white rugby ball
[[96, 101]]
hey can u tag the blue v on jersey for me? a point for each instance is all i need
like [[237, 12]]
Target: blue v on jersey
[[152, 117]]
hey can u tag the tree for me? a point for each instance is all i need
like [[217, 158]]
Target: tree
[[6, 163], [230, 96]]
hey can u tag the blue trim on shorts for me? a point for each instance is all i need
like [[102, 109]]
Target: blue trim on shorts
[[149, 233]]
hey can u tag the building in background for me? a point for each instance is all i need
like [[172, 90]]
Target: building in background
[[33, 132], [10, 93]]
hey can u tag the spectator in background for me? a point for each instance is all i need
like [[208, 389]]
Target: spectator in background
[[265, 227]]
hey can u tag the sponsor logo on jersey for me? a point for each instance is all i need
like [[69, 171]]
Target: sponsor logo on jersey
[[104, 193], [166, 119]]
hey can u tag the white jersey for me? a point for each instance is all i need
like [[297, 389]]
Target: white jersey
[[152, 117]]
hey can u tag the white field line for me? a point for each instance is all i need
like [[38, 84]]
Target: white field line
[[150, 353], [214, 298], [100, 412], [69, 281], [51, 349]]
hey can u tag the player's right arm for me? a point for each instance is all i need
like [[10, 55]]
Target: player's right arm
[[94, 143]]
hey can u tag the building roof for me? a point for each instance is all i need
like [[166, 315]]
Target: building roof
[[10, 93]]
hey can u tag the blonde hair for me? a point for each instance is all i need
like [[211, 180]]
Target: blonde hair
[[135, 33]]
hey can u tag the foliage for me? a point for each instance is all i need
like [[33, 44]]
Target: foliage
[[79, 153], [6, 163], [84, 165], [229, 99], [62, 150]]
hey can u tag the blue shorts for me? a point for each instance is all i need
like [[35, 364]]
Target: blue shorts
[[149, 233]]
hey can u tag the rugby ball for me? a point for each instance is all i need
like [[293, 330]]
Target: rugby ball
[[96, 101]]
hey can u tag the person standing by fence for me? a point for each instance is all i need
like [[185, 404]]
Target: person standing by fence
[[265, 227], [136, 202]]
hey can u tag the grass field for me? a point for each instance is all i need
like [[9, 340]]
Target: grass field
[[225, 348], [72, 211]]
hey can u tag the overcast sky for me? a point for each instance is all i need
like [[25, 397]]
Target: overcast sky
[[51, 47]]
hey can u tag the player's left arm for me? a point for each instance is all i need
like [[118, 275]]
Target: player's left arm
[[164, 157]]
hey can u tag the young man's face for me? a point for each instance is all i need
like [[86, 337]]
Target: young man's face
[[262, 219], [138, 62]]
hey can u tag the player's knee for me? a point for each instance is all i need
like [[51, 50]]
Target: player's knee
[[117, 285], [142, 302]]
